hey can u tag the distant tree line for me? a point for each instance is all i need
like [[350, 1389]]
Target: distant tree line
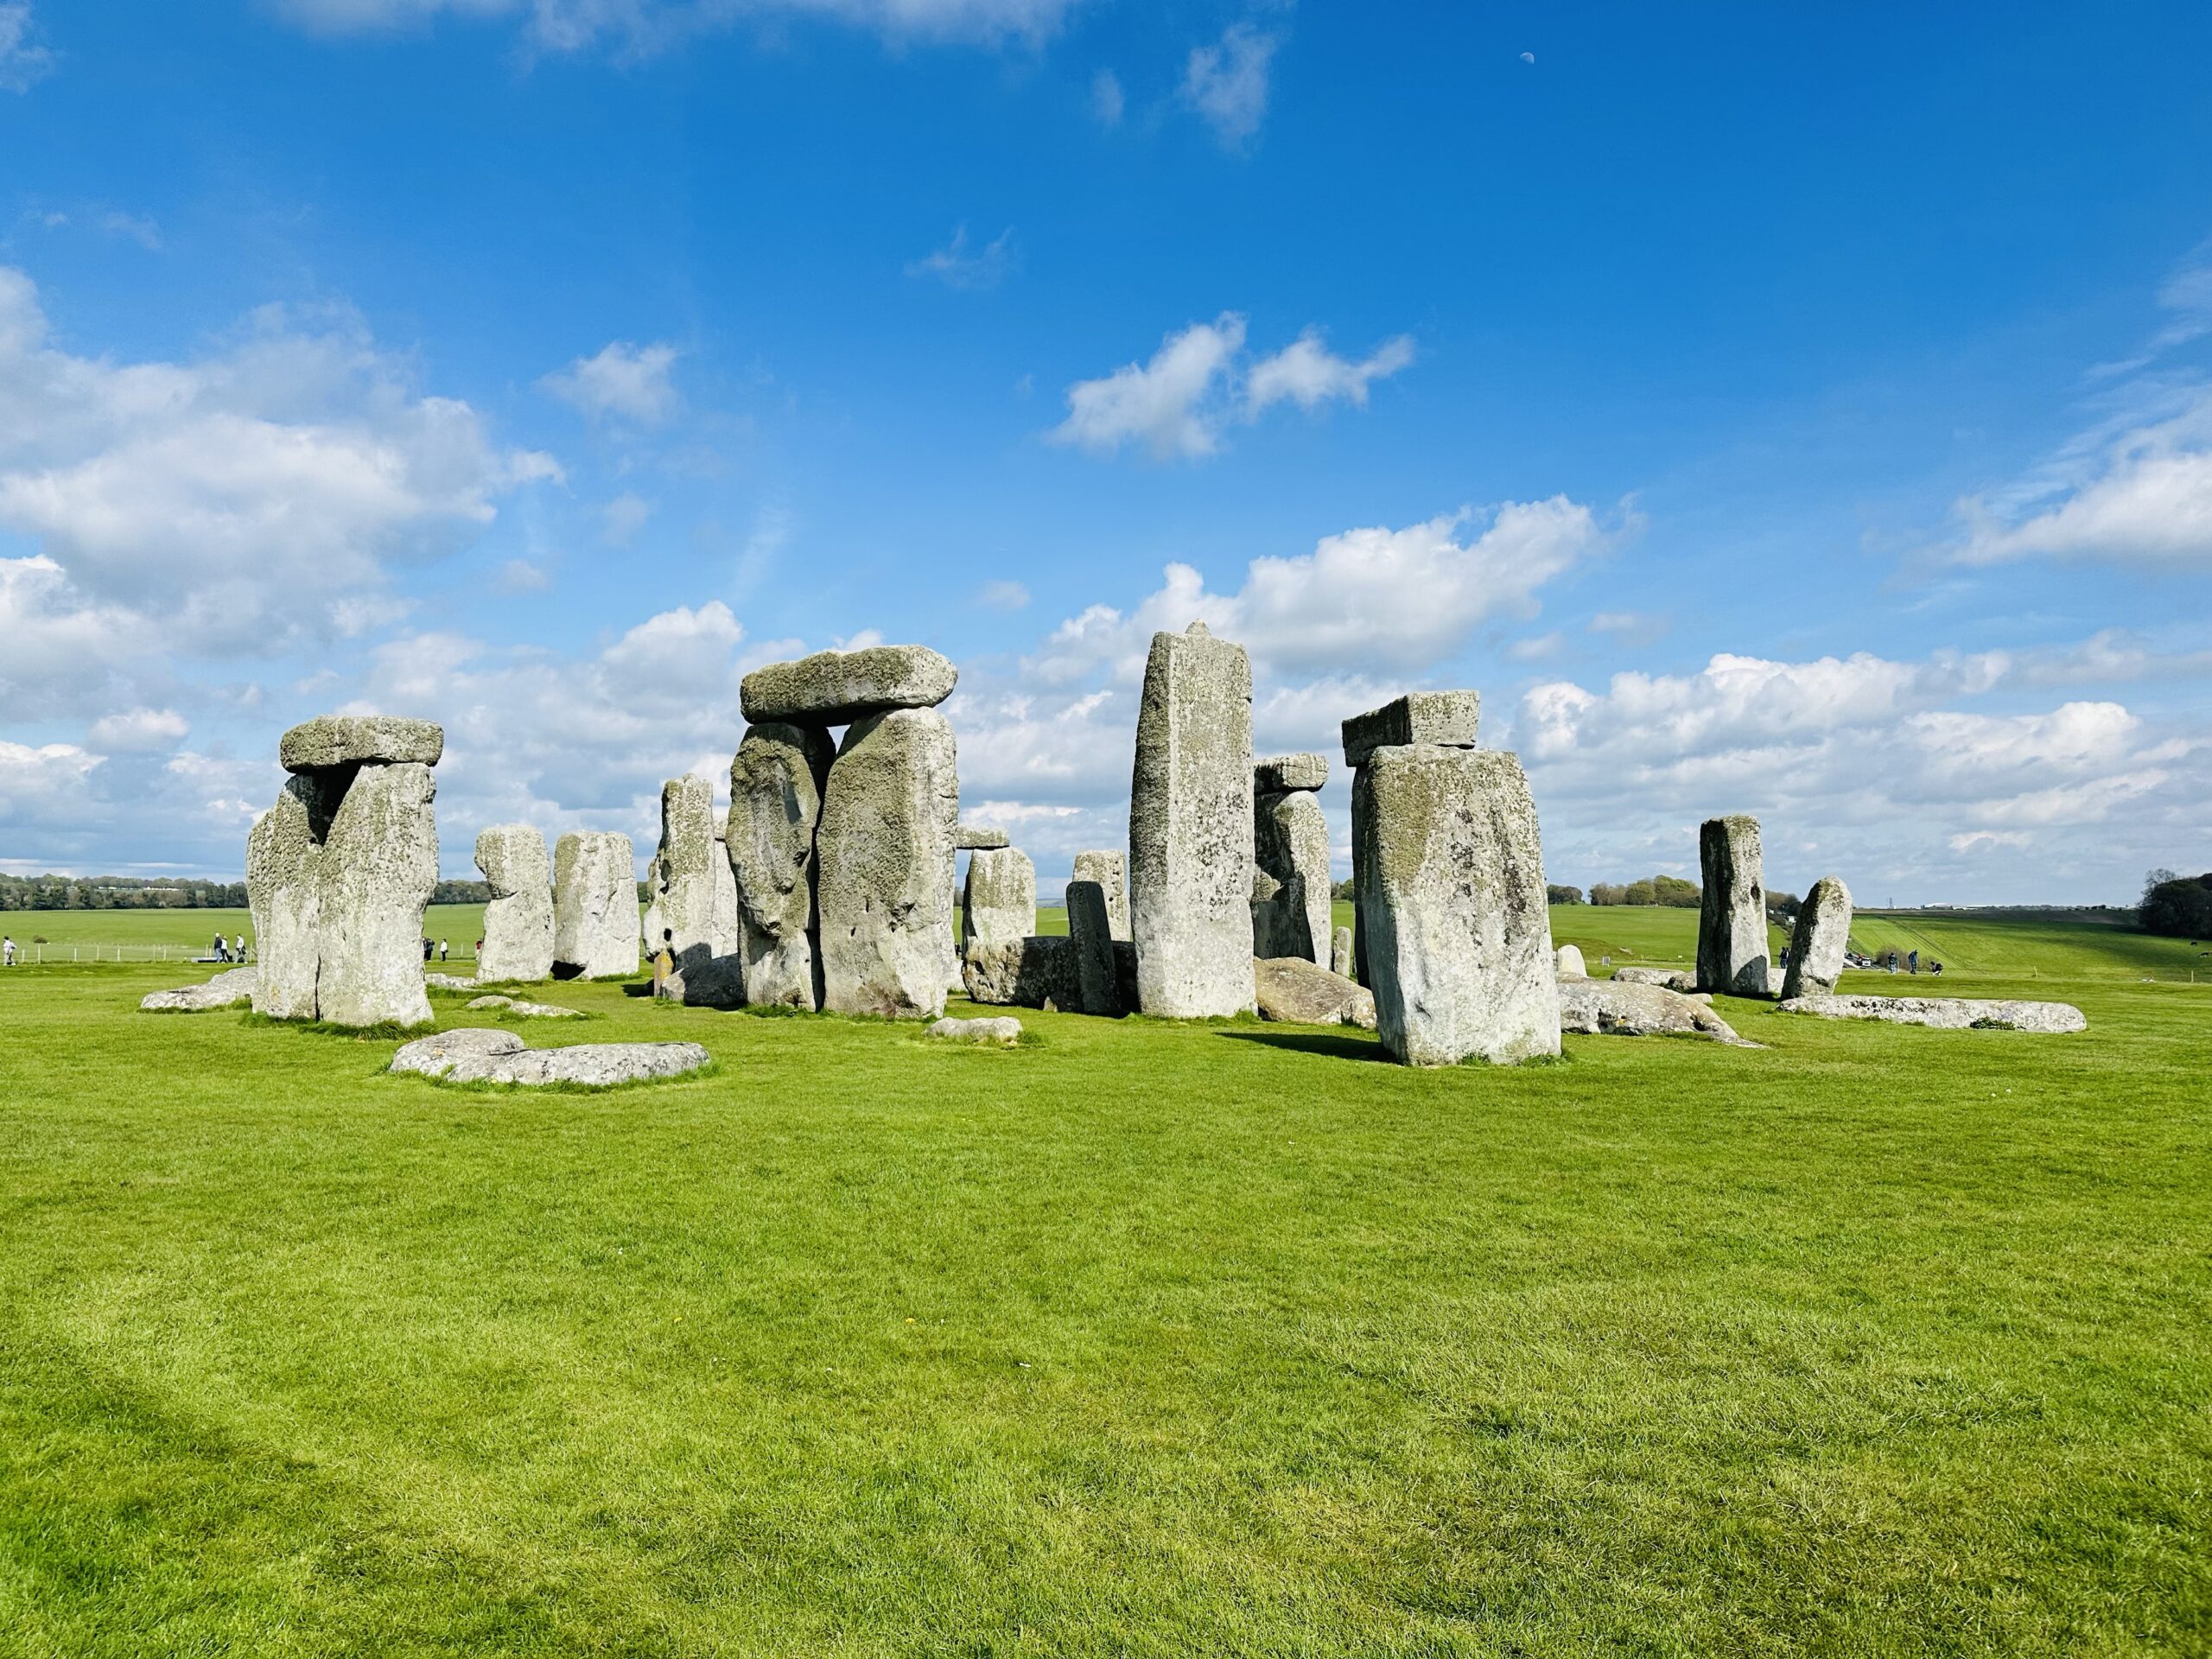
[[1669, 890], [117, 893], [2179, 907], [461, 892]]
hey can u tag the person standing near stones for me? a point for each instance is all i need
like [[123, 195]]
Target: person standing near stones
[[238, 948], [7, 952], [444, 954], [222, 950]]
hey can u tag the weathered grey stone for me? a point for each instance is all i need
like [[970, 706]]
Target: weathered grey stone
[[475, 1055], [595, 927], [1819, 941], [1732, 951], [1281, 773], [379, 867], [1023, 973], [1191, 862], [1003, 1031], [525, 1010], [775, 805], [284, 870], [332, 740], [1569, 963], [832, 687], [519, 922], [1672, 979], [1341, 954], [449, 981], [1452, 899], [1290, 839], [225, 990], [1447, 719], [715, 982], [979, 838], [885, 866], [1945, 1012], [999, 901], [1614, 1008], [1090, 937], [437, 1055], [692, 868], [1110, 870], [728, 931], [1306, 994]]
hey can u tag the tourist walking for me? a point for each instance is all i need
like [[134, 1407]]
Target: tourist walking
[[7, 953], [443, 954], [222, 949], [238, 948]]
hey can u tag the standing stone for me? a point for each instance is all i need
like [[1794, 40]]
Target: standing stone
[[519, 922], [1570, 962], [687, 895], [1290, 839], [833, 688], [1110, 870], [284, 866], [379, 867], [1817, 943], [594, 906], [889, 816], [1732, 951], [775, 803], [1191, 864], [1091, 937], [1340, 954], [1000, 901], [1452, 900], [724, 925]]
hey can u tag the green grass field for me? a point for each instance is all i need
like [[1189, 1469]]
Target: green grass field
[[1146, 1339]]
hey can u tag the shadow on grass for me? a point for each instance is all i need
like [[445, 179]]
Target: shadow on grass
[[1313, 1042]]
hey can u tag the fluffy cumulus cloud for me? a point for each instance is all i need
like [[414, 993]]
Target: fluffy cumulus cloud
[[1226, 83], [621, 381], [638, 28], [1176, 404]]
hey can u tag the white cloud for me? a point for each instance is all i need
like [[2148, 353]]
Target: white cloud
[[621, 380], [1227, 83], [135, 227], [1003, 596], [139, 730], [1159, 403], [21, 62], [66, 653], [1307, 373], [521, 576], [620, 519], [956, 267], [640, 28], [1106, 100]]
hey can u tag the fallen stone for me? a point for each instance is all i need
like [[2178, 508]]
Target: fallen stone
[[834, 688], [379, 867], [1447, 719], [478, 1055], [999, 901], [1090, 939], [1110, 870], [1731, 949], [885, 856], [978, 838], [1191, 829], [1611, 1009], [226, 990], [332, 740], [1305, 993], [1818, 943], [1025, 973], [1281, 772], [1341, 961], [1452, 902], [435, 1056], [1945, 1012], [775, 805], [449, 981], [526, 1010], [519, 922], [595, 924], [1672, 979], [1290, 839], [1004, 1031], [1569, 963]]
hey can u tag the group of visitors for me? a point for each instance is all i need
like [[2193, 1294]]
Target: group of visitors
[[231, 949], [435, 948]]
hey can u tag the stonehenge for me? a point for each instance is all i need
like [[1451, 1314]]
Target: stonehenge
[[1618, 1007], [998, 902], [1945, 1012], [339, 870], [1305, 993], [595, 927], [1818, 942], [1340, 955], [1450, 884], [776, 781], [1446, 719], [1291, 843], [1110, 870], [519, 921], [478, 1054], [840, 687], [1091, 938], [692, 911], [884, 858], [1568, 963], [1191, 860], [225, 990], [979, 838], [1732, 951]]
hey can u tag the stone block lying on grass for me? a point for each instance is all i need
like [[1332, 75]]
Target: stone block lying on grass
[[1945, 1012], [1003, 1031], [1608, 1007], [226, 990], [527, 1010], [1306, 994], [474, 1054], [449, 981], [1666, 978]]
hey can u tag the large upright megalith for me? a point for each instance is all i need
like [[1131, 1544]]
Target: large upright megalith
[[998, 902], [1109, 868], [1732, 951], [1451, 903], [1191, 864], [687, 897], [595, 905], [884, 862], [338, 872], [1290, 839], [519, 922], [1446, 719], [1819, 941], [776, 781], [1090, 937]]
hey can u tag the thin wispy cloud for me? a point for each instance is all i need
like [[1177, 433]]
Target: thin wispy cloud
[[970, 270], [1107, 101], [620, 380], [22, 61], [1226, 83]]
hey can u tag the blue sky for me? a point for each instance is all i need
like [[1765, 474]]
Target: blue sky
[[1801, 413]]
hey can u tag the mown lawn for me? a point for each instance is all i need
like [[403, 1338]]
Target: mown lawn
[[1145, 1339]]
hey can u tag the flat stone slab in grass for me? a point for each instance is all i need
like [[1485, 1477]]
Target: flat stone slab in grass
[[226, 990], [1305, 993], [449, 981], [1672, 979], [527, 1010], [1944, 1013], [1611, 1007], [834, 688], [360, 739], [1002, 1030], [979, 838], [475, 1054]]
